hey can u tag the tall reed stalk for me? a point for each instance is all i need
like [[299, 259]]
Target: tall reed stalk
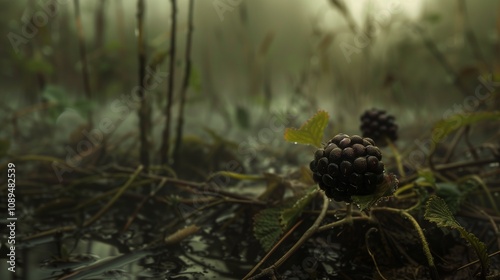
[[185, 84], [144, 115], [165, 147], [83, 57]]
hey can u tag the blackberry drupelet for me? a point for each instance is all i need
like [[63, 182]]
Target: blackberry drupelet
[[347, 166], [377, 124]]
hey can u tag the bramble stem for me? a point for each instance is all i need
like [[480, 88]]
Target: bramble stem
[[397, 157], [312, 230], [420, 232]]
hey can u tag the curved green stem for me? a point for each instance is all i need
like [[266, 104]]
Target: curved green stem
[[420, 232], [313, 229]]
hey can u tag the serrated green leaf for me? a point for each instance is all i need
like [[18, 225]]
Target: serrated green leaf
[[387, 188], [271, 223], [290, 215], [267, 228], [444, 127], [438, 212], [311, 132]]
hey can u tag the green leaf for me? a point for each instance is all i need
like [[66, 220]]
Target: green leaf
[[455, 194], [311, 132], [290, 215], [267, 228], [387, 188], [271, 223], [444, 127], [438, 212], [55, 94], [426, 175]]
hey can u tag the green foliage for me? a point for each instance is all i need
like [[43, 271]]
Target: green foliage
[[426, 177], [454, 194], [55, 94], [311, 132], [39, 65], [59, 97], [432, 18], [271, 223], [267, 228], [387, 188], [438, 212], [444, 127], [290, 215]]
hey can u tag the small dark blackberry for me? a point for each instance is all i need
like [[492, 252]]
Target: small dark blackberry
[[347, 166], [377, 124]]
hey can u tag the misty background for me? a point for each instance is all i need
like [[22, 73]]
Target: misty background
[[252, 59]]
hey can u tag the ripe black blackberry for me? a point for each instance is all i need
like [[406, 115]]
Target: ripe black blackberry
[[377, 124], [347, 166]]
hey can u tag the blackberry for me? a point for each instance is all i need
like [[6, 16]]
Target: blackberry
[[377, 124], [347, 166]]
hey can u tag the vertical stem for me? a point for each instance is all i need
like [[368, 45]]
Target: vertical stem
[[99, 29], [420, 232], [397, 157], [35, 54], [144, 117], [83, 56], [120, 24], [470, 36], [164, 150], [99, 24], [313, 229], [185, 83]]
